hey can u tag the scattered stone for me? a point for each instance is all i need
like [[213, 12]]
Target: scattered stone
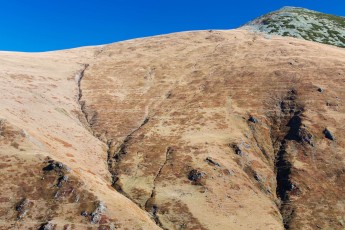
[[57, 194], [258, 178], [22, 204], [331, 104], [62, 179], [328, 134], [55, 165], [22, 208], [96, 214], [46, 226], [237, 150], [320, 90], [306, 136], [246, 145], [22, 214], [154, 209], [209, 160], [84, 213], [295, 190], [77, 198], [95, 218], [252, 119], [195, 175]]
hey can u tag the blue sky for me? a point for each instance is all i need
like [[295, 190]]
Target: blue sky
[[42, 25]]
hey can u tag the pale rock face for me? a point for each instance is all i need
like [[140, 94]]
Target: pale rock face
[[194, 130]]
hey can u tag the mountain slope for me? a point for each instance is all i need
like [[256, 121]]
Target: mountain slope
[[193, 130], [201, 136], [52, 168], [302, 23]]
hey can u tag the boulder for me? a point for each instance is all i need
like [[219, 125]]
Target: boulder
[[328, 134]]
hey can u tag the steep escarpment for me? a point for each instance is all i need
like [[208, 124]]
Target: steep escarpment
[[222, 137]]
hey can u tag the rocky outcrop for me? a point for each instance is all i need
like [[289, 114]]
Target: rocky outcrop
[[302, 23]]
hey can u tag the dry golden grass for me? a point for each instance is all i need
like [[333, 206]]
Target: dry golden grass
[[158, 108]]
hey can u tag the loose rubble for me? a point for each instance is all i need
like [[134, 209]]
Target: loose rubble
[[195, 176], [306, 136], [46, 226], [97, 213], [22, 208]]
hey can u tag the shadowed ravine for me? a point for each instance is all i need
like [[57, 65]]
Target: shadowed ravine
[[114, 156], [288, 122]]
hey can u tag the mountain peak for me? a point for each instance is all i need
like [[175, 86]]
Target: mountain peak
[[302, 23], [286, 8]]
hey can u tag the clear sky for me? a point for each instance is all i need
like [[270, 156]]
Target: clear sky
[[42, 25]]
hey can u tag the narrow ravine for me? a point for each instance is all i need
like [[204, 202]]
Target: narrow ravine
[[84, 118], [285, 129], [150, 205], [284, 184], [114, 156]]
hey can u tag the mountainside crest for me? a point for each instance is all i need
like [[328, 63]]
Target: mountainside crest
[[302, 23]]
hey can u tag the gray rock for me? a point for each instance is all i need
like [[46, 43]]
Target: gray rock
[[55, 165], [209, 160], [46, 226], [258, 178], [22, 208], [237, 149], [96, 214], [61, 180], [328, 134], [195, 175], [84, 213], [252, 119], [306, 136]]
